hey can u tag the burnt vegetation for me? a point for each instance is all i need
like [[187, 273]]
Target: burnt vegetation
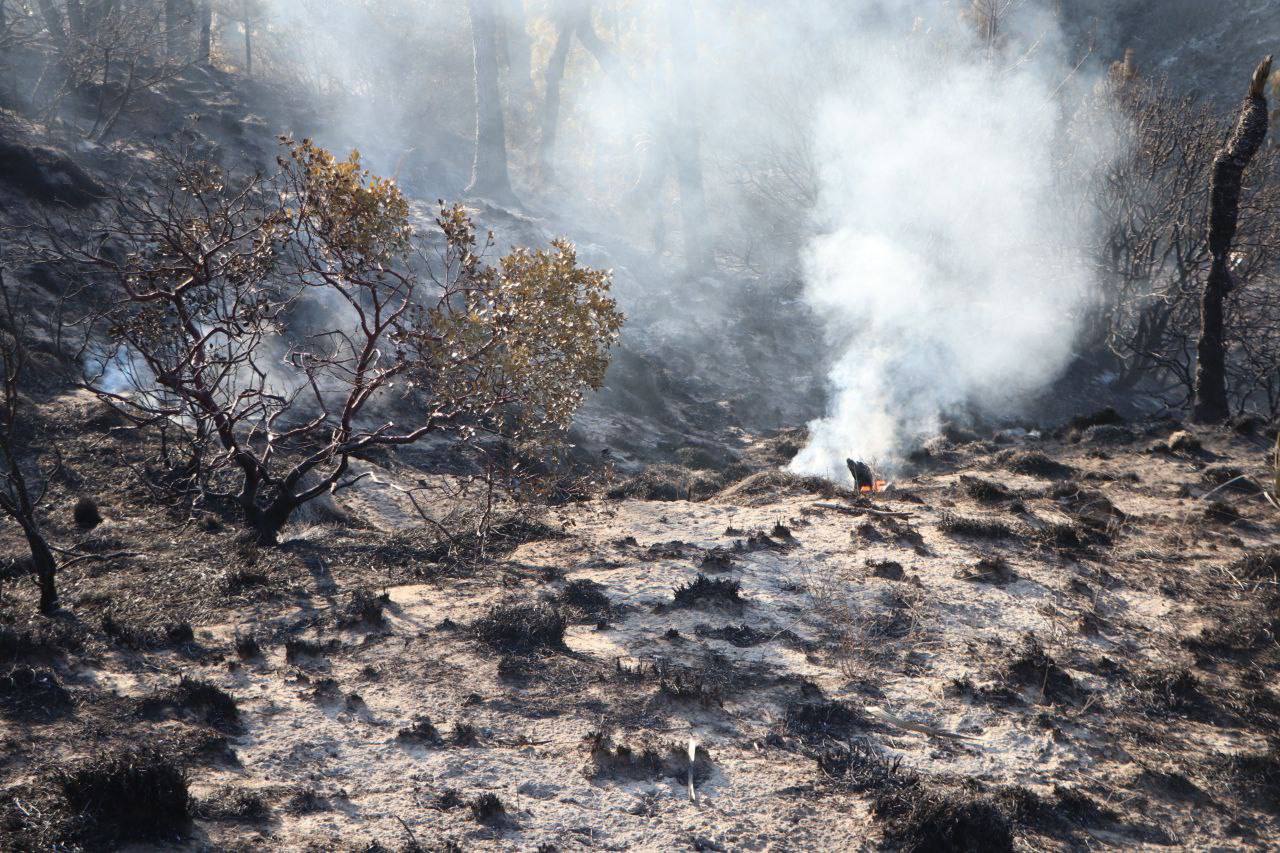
[[331, 518]]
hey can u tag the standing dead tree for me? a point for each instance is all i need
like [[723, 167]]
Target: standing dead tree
[[279, 323], [1148, 157], [1224, 215], [23, 483]]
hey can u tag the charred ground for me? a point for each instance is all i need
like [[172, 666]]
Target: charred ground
[[1053, 642]]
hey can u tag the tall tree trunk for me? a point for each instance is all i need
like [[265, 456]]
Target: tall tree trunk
[[1224, 215], [518, 54], [206, 31], [686, 147], [550, 119], [248, 40], [489, 175]]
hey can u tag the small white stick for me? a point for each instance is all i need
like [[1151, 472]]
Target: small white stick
[[693, 757]]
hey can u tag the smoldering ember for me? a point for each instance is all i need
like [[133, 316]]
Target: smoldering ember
[[667, 425]]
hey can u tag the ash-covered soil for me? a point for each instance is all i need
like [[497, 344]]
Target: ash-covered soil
[[1032, 643]]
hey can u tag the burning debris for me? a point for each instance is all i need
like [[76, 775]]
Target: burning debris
[[865, 478]]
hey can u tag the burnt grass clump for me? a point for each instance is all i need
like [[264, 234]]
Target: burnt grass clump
[[1258, 564], [974, 528], [859, 767], [247, 646], [363, 609], [993, 570], [488, 809], [239, 580], [521, 628], [28, 694], [1257, 774], [204, 701], [136, 795], [468, 546], [420, 731], [297, 649], [46, 640], [709, 592], [985, 491], [1033, 667], [824, 720], [668, 483], [922, 818], [85, 514], [233, 805], [1033, 463], [587, 597], [136, 638]]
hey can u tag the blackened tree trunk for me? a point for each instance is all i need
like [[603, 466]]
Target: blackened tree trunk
[[686, 138], [248, 39], [45, 568], [1224, 215], [489, 175], [206, 31]]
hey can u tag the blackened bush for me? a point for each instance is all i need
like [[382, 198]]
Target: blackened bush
[[521, 627], [587, 597], [85, 514], [487, 808], [135, 795], [27, 693], [706, 591], [215, 704]]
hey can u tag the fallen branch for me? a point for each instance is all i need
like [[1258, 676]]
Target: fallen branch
[[863, 510]]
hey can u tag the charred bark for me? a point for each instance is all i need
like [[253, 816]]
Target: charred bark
[[489, 175], [1224, 214]]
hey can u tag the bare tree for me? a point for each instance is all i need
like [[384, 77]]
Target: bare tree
[[23, 482], [1151, 200], [1229, 164], [209, 337]]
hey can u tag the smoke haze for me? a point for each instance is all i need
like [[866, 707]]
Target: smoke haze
[[883, 157]]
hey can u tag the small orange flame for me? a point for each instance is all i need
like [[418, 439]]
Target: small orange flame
[[878, 487]]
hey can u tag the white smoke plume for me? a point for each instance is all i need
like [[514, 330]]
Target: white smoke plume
[[933, 266]]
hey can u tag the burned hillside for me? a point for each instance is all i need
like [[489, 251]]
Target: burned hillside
[[503, 425]]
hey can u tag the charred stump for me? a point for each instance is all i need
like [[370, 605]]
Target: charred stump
[[1224, 215]]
